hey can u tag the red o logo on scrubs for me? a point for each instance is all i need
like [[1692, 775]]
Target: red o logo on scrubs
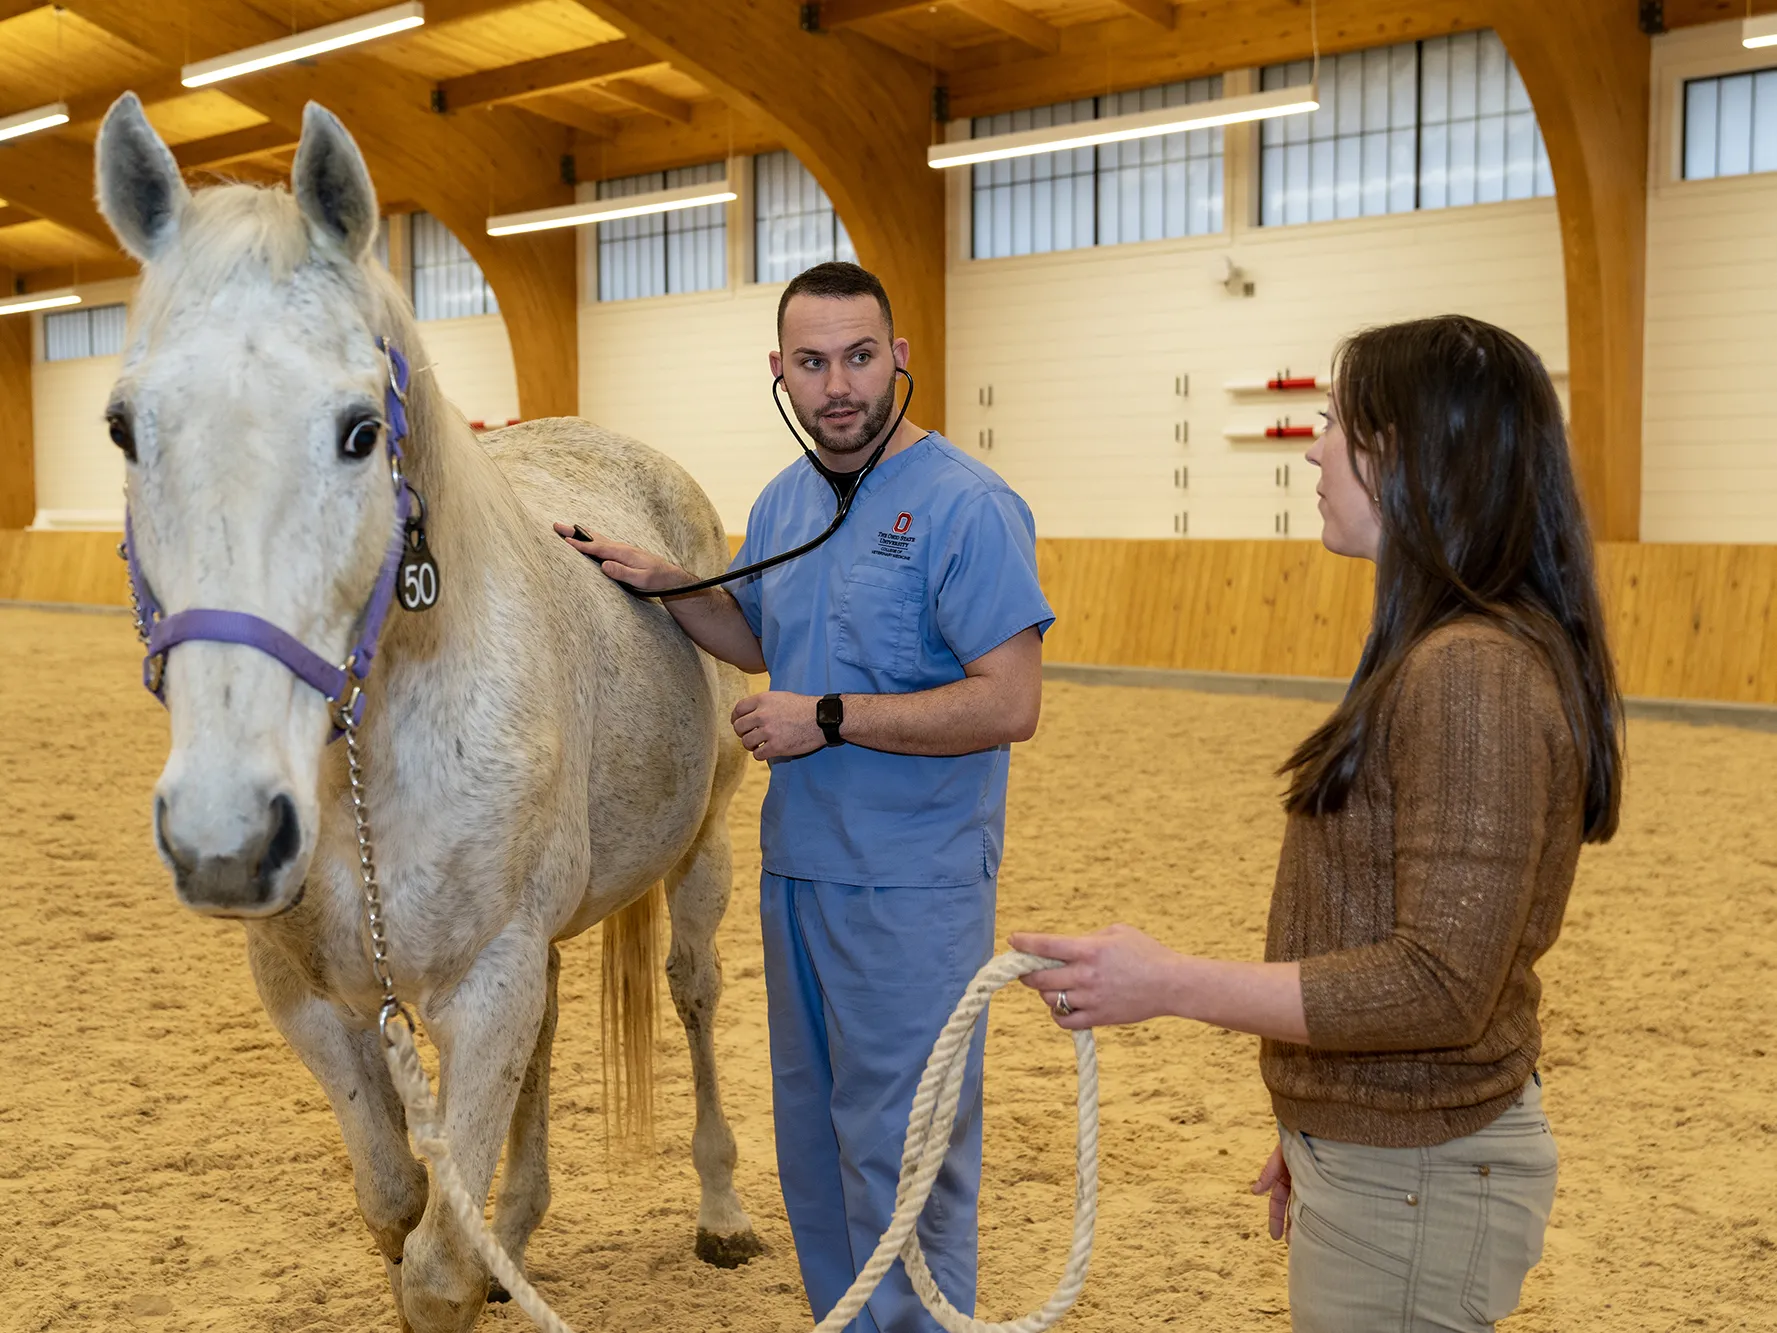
[[904, 522]]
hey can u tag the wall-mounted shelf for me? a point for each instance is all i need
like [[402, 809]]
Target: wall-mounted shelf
[[494, 425], [1282, 382], [1281, 432]]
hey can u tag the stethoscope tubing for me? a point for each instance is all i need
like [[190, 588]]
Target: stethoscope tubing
[[843, 493]]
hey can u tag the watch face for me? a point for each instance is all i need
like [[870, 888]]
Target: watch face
[[828, 711]]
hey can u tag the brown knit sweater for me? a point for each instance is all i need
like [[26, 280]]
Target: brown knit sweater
[[1418, 911]]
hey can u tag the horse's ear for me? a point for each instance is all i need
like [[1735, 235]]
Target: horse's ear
[[140, 189], [332, 184]]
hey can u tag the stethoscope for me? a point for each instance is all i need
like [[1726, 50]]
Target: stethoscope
[[846, 486]]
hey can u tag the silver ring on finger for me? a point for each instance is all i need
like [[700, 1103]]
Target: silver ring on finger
[[1062, 1007]]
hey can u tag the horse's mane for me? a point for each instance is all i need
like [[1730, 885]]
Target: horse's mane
[[235, 232]]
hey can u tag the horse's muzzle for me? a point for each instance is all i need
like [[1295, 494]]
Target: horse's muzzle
[[246, 882]]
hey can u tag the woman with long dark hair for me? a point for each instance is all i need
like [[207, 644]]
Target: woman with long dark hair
[[1435, 820]]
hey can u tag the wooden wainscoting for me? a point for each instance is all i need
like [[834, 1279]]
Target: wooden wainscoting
[[1688, 622], [77, 567]]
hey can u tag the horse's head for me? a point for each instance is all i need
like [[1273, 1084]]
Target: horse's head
[[251, 412]]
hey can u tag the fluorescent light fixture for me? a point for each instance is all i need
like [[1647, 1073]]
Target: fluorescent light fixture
[[300, 45], [18, 305], [38, 118], [1118, 129], [609, 210], [1760, 31]]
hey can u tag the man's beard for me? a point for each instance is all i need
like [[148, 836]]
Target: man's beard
[[875, 417]]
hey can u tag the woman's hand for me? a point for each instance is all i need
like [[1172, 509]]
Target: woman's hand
[[1276, 1178], [1115, 975]]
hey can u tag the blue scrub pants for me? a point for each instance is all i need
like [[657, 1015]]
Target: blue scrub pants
[[859, 982]]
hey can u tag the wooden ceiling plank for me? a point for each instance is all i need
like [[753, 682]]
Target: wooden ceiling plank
[[11, 9], [1158, 12], [547, 74], [838, 13], [562, 111], [1016, 23], [220, 149], [11, 215], [651, 100]]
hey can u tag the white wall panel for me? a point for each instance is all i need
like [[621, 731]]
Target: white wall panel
[[1709, 438]]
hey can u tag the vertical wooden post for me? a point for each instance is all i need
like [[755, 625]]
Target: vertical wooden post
[[1586, 67], [18, 465]]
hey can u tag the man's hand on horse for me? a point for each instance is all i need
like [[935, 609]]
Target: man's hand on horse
[[778, 724], [641, 570]]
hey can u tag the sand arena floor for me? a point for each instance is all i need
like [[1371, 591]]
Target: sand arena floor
[[167, 1164]]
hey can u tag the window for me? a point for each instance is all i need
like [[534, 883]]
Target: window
[[1730, 125], [1141, 190], [447, 283], [794, 225], [1434, 124], [91, 331], [662, 254]]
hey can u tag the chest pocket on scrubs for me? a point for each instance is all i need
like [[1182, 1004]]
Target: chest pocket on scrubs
[[879, 619]]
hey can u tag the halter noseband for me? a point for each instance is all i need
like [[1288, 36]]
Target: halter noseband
[[339, 685]]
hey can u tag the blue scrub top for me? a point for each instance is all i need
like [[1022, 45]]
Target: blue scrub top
[[934, 567]]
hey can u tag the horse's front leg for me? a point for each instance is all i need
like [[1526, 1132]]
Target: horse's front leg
[[485, 1030], [348, 1064]]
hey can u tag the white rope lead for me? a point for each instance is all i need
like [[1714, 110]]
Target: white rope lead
[[928, 1140]]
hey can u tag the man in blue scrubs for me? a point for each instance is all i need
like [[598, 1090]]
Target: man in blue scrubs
[[905, 657]]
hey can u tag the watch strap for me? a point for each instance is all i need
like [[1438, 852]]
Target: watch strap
[[829, 714]]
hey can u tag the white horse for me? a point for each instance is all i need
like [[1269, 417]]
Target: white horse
[[541, 747]]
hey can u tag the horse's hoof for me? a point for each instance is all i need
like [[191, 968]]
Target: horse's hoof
[[497, 1294], [730, 1251]]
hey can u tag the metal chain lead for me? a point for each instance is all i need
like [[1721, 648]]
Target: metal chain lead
[[373, 894]]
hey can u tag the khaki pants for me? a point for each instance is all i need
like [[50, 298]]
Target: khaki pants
[[1417, 1240]]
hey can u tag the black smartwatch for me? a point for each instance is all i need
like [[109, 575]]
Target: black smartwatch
[[829, 714]]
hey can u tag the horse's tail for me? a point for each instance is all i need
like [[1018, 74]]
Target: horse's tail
[[630, 971]]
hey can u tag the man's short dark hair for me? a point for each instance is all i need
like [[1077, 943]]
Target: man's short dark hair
[[836, 280]]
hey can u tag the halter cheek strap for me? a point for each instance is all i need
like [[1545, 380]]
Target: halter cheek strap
[[339, 685]]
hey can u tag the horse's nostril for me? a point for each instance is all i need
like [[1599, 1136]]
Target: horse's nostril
[[162, 841], [286, 837]]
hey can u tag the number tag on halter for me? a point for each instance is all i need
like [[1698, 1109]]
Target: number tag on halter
[[418, 585]]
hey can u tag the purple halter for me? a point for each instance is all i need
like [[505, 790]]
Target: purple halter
[[339, 685]]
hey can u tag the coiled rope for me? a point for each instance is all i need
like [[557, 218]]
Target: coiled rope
[[928, 1139]]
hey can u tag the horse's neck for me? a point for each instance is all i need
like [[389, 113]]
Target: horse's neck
[[476, 529]]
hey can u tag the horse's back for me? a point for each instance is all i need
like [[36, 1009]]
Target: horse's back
[[573, 470]]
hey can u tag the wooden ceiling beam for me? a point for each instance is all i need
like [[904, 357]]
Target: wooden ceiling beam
[[839, 13], [11, 9], [220, 149], [11, 215], [1018, 24], [561, 111], [1158, 12], [1209, 37], [644, 98], [1690, 13], [548, 74], [53, 178], [458, 168]]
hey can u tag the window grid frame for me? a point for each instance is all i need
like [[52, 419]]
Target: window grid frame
[[105, 323], [770, 266], [1090, 172], [1271, 131], [1761, 82], [698, 237]]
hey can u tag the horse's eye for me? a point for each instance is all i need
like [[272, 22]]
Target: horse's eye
[[121, 434], [360, 438]]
